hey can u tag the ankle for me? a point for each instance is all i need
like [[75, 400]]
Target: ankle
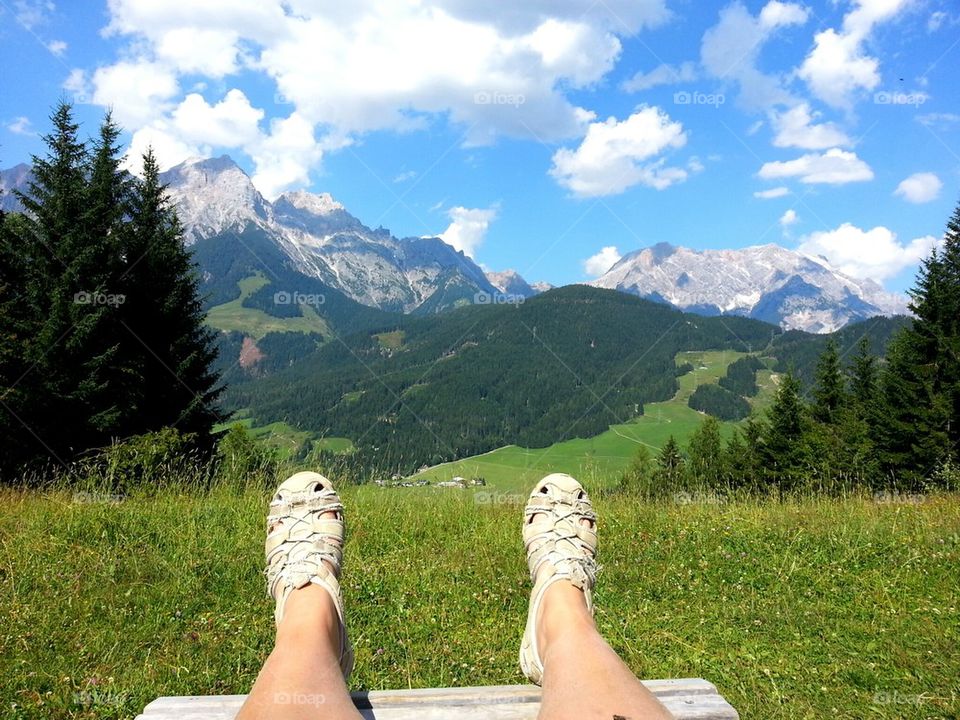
[[310, 612], [563, 611]]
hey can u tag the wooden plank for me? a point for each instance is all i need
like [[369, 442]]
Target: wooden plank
[[687, 699]]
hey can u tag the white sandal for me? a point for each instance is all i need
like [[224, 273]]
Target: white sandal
[[559, 547], [300, 539]]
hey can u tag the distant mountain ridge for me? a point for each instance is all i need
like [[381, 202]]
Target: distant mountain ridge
[[318, 238], [324, 241], [764, 282]]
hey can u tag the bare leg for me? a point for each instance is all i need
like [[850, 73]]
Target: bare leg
[[302, 678], [583, 677]]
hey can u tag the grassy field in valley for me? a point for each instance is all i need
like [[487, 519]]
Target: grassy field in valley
[[601, 458], [256, 323], [807, 609]]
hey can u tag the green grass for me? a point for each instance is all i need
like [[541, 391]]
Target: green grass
[[601, 458], [806, 609], [233, 315], [285, 438], [392, 340]]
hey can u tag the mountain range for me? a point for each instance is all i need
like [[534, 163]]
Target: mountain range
[[312, 235], [764, 282]]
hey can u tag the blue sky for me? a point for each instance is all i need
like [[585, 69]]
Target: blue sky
[[551, 136]]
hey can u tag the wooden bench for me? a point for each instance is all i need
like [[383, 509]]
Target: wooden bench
[[692, 699]]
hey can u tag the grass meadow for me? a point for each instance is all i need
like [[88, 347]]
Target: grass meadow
[[794, 609], [600, 459]]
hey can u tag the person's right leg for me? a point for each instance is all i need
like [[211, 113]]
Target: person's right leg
[[583, 677]]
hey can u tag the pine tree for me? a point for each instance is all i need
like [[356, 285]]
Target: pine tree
[[828, 393], [66, 356], [784, 450], [171, 349], [918, 423], [636, 478], [705, 451], [671, 469], [863, 380]]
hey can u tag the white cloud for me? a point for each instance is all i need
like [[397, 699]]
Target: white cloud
[[57, 47], [231, 123], [920, 187], [468, 228], [838, 67], [351, 68], [138, 91], [168, 148], [874, 254], [284, 158], [597, 265], [616, 155], [661, 75], [771, 193], [730, 49], [32, 13], [21, 126], [789, 218], [404, 176], [78, 86], [796, 128], [834, 167]]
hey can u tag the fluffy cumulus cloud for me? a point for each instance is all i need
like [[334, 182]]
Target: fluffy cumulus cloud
[[920, 187], [797, 127], [468, 228], [618, 154], [349, 68], [834, 167], [597, 265], [731, 49], [838, 66], [876, 254]]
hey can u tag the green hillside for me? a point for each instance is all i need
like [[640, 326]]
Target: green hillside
[[254, 322], [566, 364], [601, 458]]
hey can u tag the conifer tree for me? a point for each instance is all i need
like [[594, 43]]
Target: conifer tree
[[670, 466], [705, 453], [828, 393], [917, 427], [784, 451], [172, 349]]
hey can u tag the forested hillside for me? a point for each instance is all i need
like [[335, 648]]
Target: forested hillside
[[565, 364]]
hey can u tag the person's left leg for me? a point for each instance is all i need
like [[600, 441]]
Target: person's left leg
[[302, 677]]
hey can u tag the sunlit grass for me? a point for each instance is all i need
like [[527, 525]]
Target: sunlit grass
[[812, 608]]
